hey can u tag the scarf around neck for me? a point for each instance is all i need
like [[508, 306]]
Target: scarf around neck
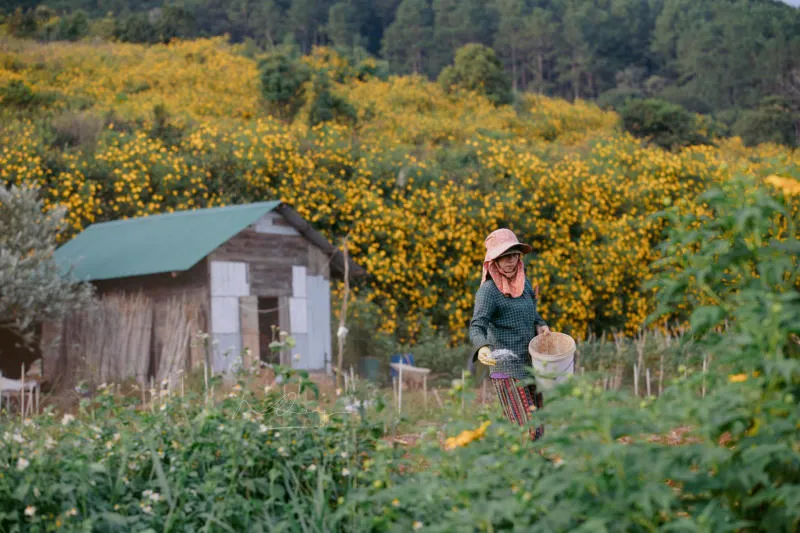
[[513, 286]]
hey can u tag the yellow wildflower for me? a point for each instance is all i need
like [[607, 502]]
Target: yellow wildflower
[[788, 186], [465, 437], [737, 378]]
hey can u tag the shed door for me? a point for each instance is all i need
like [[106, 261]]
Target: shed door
[[229, 281]]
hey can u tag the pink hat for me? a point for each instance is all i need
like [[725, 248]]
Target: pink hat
[[501, 241]]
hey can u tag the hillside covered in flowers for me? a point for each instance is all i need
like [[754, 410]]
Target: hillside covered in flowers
[[414, 176]]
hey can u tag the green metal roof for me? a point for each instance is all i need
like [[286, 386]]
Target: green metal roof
[[158, 243]]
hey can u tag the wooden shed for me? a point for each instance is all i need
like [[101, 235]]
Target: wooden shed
[[177, 288]]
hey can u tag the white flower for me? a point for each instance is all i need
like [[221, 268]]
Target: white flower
[[67, 419], [22, 464], [282, 451], [18, 438], [30, 510], [72, 512], [49, 443], [345, 472], [221, 427], [146, 508], [344, 455], [312, 467], [297, 357], [36, 492], [277, 434], [262, 428], [417, 525]]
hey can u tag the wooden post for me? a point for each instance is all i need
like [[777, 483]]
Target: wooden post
[[463, 390], [394, 391], [340, 334], [647, 374], [705, 367], [22, 395], [425, 390], [661, 375], [635, 380], [400, 391]]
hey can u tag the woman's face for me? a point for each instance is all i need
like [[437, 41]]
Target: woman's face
[[508, 263]]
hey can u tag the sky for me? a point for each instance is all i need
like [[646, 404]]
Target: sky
[[793, 2]]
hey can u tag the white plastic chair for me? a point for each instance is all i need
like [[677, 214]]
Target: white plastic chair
[[26, 391]]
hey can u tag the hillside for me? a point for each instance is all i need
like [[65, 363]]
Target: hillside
[[414, 176]]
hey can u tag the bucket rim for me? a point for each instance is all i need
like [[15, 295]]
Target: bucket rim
[[572, 346]]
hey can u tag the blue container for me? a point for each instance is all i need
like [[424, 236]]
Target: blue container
[[406, 358]]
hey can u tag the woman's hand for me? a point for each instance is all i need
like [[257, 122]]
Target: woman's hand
[[485, 356], [542, 330]]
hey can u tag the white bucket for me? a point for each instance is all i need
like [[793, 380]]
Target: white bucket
[[553, 358]]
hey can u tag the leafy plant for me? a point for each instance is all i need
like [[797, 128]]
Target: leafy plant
[[33, 287]]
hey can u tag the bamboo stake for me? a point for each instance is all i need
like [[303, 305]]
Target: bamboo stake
[[400, 391], [343, 314], [647, 374], [438, 399], [640, 342], [463, 390], [425, 391], [22, 395], [705, 367], [635, 380]]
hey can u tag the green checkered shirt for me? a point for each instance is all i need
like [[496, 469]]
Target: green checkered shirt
[[502, 322]]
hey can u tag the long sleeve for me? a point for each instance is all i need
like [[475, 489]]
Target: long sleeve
[[538, 320], [481, 317]]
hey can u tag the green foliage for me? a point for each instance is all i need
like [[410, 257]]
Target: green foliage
[[662, 123], [709, 57], [283, 83], [407, 39], [324, 106], [17, 94], [773, 121], [247, 463], [477, 69], [609, 462], [32, 286]]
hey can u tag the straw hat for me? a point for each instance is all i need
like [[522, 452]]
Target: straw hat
[[503, 242]]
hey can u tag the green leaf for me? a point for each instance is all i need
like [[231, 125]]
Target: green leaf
[[706, 317]]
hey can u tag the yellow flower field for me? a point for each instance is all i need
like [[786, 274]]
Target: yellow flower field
[[416, 183]]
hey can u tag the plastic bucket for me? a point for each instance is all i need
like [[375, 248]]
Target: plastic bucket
[[553, 358]]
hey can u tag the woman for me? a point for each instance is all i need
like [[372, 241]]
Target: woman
[[505, 315]]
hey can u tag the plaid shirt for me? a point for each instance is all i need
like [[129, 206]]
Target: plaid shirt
[[501, 322]]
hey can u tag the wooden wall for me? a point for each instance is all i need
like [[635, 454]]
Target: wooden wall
[[271, 258], [163, 289]]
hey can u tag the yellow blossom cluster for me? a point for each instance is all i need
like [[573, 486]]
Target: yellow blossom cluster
[[466, 436], [415, 183]]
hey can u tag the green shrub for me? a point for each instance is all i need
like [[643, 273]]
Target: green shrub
[[477, 68], [662, 123], [283, 83], [773, 121]]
